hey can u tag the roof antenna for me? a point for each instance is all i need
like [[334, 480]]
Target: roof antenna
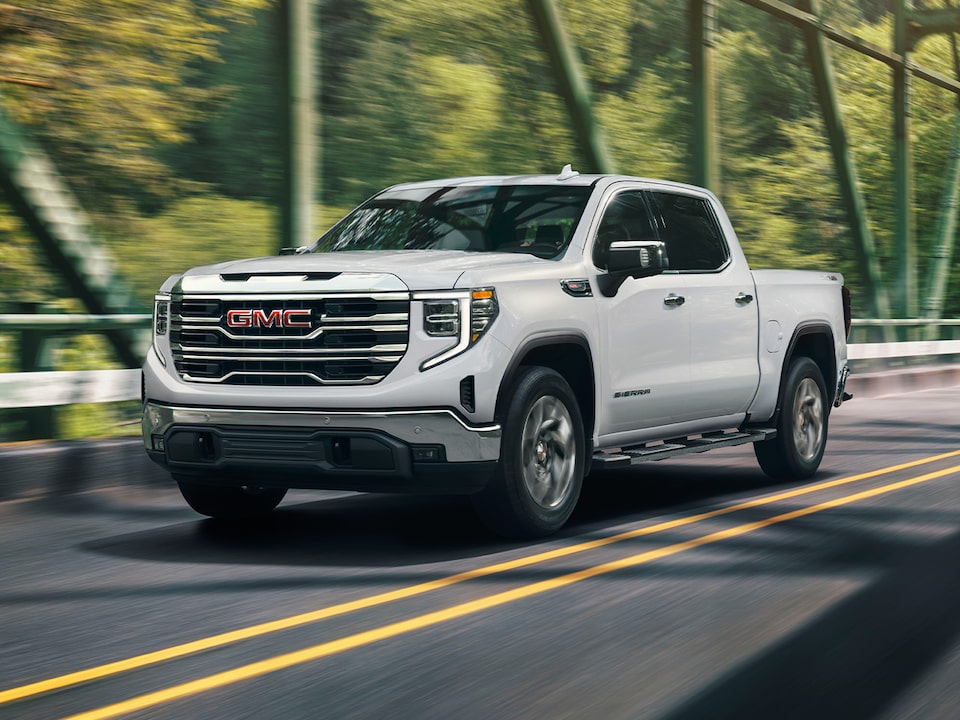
[[567, 173]]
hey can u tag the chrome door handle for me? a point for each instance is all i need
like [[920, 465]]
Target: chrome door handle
[[743, 298], [672, 299]]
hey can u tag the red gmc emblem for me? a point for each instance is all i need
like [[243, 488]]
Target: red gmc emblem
[[274, 318]]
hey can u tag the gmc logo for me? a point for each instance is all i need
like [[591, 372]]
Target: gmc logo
[[274, 318]]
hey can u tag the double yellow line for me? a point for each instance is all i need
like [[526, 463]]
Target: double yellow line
[[419, 622]]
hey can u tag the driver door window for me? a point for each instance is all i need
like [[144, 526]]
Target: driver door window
[[627, 217]]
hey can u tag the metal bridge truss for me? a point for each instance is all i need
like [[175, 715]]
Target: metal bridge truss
[[39, 196], [910, 26]]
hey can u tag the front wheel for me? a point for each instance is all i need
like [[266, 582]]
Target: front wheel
[[796, 451], [542, 460], [229, 502]]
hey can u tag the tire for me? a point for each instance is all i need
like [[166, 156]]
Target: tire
[[542, 459], [795, 453], [229, 502]]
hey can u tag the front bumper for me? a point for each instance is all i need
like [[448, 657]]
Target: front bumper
[[418, 450]]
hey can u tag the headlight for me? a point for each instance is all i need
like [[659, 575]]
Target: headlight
[[441, 318], [161, 314], [464, 315], [483, 311], [161, 323]]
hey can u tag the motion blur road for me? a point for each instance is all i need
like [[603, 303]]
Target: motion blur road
[[690, 588]]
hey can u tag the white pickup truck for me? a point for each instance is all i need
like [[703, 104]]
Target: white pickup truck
[[493, 336]]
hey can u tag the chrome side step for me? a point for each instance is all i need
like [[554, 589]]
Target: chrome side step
[[678, 446]]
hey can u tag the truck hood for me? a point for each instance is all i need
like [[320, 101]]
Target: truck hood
[[355, 271]]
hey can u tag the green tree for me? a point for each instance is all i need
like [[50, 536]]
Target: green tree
[[102, 84], [233, 144]]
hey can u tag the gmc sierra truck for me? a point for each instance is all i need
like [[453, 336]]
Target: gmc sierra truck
[[493, 336]]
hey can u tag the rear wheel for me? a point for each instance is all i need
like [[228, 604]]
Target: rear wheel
[[795, 453], [229, 502], [541, 466]]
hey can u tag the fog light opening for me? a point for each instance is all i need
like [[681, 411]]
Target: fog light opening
[[429, 453], [340, 453]]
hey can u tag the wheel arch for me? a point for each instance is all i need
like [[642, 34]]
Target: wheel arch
[[568, 355], [814, 340]]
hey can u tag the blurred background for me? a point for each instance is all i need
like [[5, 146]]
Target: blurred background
[[140, 139]]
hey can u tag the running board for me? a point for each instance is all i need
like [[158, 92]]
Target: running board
[[678, 446]]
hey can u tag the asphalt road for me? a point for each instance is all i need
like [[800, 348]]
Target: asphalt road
[[690, 588]]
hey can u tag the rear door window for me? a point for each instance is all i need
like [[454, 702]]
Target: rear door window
[[689, 228]]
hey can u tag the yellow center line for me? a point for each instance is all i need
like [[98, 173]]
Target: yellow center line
[[258, 630], [316, 652]]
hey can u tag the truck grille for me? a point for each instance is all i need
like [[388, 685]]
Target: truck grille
[[289, 340]]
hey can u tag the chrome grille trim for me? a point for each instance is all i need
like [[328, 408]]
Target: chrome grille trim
[[354, 338], [230, 297], [398, 349], [310, 336], [267, 358], [385, 317], [368, 380]]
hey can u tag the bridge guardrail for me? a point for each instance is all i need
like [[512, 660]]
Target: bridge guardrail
[[910, 348], [55, 468], [38, 387], [30, 396]]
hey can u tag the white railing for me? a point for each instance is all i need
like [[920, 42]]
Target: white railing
[[52, 388], [917, 348], [42, 387], [64, 387]]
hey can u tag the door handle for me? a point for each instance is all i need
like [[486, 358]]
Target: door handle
[[744, 298], [672, 299]]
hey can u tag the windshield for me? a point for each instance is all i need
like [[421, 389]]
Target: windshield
[[533, 219]]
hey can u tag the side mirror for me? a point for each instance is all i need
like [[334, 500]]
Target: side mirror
[[294, 251], [632, 258], [636, 258]]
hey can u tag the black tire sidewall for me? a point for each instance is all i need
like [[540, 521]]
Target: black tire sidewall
[[800, 369], [506, 504]]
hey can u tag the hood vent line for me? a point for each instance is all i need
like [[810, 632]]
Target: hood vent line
[[244, 277]]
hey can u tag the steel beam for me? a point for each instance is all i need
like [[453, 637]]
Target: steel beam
[[909, 26], [946, 233], [802, 19], [821, 66], [926, 21], [571, 83], [702, 15], [299, 115], [906, 253], [50, 211], [941, 258]]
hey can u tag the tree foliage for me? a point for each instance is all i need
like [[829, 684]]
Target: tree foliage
[[164, 116], [103, 83]]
